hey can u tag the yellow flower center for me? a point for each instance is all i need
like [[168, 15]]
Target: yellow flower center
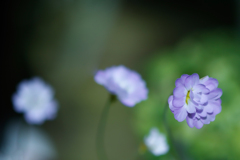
[[188, 96]]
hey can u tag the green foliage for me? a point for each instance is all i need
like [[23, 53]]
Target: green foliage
[[217, 55]]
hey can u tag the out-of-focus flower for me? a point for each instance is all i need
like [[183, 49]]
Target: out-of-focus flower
[[22, 142], [123, 82], [35, 99], [156, 142], [196, 100]]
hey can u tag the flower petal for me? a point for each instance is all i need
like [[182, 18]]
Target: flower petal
[[180, 114], [200, 107], [216, 106], [170, 99], [178, 102], [190, 107], [200, 88], [206, 120], [209, 108], [212, 118], [204, 99], [191, 81], [203, 79], [190, 122], [202, 113], [180, 81], [198, 123], [215, 94], [100, 77], [183, 77], [211, 83], [180, 92]]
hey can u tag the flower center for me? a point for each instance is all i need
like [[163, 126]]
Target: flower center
[[188, 96]]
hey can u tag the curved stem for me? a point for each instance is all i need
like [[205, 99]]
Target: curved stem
[[101, 153], [166, 108]]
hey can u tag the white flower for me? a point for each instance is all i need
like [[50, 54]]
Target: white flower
[[26, 143], [128, 85], [156, 142], [35, 99]]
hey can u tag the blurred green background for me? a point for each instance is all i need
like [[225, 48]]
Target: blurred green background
[[66, 41]]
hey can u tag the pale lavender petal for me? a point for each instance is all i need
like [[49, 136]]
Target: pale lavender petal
[[180, 114], [192, 95], [190, 122], [180, 81], [132, 99], [211, 83], [170, 99], [202, 113], [198, 123], [195, 99], [200, 88], [100, 77], [180, 92], [128, 102], [35, 116], [216, 105], [183, 77], [191, 81], [201, 99], [203, 79], [178, 102], [206, 120], [209, 108], [212, 118], [215, 94], [190, 107], [204, 99], [200, 107]]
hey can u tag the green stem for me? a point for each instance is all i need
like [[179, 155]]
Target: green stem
[[177, 155], [101, 153]]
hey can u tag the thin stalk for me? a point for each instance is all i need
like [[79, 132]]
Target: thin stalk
[[177, 155], [101, 152]]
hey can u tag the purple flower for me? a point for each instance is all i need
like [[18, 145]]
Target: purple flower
[[196, 100], [123, 82], [35, 99]]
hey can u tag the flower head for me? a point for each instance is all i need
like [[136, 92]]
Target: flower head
[[35, 99], [156, 142], [196, 100], [123, 82]]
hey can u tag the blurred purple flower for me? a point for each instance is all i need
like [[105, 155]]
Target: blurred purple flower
[[35, 99], [123, 82], [156, 142], [196, 100]]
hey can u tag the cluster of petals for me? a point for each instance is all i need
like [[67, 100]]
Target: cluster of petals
[[196, 100], [126, 84], [156, 142], [36, 100]]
